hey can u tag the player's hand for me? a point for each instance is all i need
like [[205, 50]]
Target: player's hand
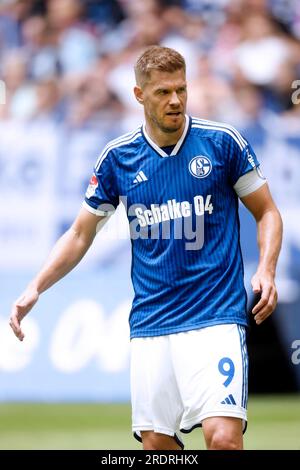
[[20, 308], [263, 283]]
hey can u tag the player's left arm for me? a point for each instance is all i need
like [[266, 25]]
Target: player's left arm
[[269, 236]]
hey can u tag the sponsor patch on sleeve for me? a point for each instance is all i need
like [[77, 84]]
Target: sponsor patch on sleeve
[[92, 187]]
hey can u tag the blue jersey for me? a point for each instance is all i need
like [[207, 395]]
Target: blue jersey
[[187, 268]]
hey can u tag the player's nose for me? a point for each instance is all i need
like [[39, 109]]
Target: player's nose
[[174, 100]]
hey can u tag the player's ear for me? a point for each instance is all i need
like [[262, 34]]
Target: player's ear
[[138, 94]]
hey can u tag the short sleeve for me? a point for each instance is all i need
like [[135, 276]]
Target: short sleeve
[[242, 158], [101, 197]]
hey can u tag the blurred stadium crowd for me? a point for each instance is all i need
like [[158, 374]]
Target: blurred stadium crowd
[[70, 61]]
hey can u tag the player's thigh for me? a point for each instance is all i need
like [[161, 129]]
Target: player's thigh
[[157, 441], [156, 403]]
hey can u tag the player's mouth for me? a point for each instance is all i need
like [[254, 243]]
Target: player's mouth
[[174, 113]]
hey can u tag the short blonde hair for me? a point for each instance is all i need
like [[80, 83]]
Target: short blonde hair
[[159, 58]]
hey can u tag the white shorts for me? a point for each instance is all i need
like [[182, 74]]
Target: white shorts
[[180, 379]]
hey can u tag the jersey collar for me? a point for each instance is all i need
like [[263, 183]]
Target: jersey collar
[[177, 147]]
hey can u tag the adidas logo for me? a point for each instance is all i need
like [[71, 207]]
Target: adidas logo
[[140, 177], [229, 400]]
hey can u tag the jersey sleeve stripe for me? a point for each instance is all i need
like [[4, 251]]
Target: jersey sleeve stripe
[[126, 136], [111, 146], [223, 129], [220, 124], [114, 142]]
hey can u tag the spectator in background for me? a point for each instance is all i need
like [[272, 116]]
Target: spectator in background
[[40, 45], [62, 39], [20, 92], [77, 46]]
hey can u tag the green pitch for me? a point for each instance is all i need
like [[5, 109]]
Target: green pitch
[[274, 423]]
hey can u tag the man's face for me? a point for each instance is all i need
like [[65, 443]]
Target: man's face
[[164, 98]]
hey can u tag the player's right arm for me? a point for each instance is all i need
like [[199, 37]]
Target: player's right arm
[[66, 254]]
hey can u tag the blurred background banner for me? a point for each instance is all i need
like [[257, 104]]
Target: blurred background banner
[[66, 67], [76, 345]]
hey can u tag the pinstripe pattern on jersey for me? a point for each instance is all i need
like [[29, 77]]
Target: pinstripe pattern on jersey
[[178, 288]]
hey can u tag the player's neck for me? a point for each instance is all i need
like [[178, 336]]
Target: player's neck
[[162, 138]]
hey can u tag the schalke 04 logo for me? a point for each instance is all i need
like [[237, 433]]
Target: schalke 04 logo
[[200, 166]]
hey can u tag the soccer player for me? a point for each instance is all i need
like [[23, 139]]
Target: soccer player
[[180, 179]]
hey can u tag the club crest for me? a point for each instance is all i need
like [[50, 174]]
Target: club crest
[[200, 166]]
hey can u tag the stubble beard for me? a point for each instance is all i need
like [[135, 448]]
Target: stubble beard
[[167, 130]]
